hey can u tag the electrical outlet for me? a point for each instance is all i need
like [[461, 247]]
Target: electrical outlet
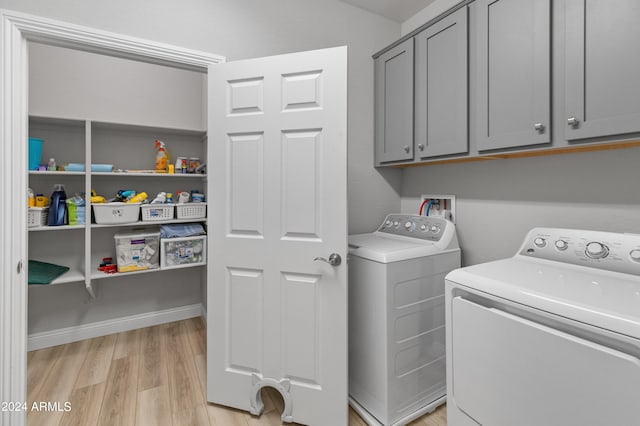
[[443, 206]]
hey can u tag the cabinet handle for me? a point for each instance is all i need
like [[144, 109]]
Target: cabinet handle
[[539, 127], [421, 147], [573, 122], [407, 149]]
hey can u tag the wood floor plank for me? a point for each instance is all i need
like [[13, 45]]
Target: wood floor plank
[[184, 387], [96, 364], [191, 417], [197, 335], [59, 383], [85, 406], [153, 372], [39, 365], [153, 407], [170, 356], [127, 344], [224, 416], [119, 405], [355, 419]]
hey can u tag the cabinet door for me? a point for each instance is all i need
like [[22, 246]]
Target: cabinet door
[[394, 104], [441, 87], [602, 68], [513, 78]]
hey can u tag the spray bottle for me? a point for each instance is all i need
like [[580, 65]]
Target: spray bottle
[[162, 157]]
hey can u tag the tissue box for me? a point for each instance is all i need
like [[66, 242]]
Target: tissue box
[[136, 251]]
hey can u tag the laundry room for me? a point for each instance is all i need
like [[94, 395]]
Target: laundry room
[[247, 212]]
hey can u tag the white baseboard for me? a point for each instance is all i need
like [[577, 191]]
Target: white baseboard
[[203, 313], [102, 328]]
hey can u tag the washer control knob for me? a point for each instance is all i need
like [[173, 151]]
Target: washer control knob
[[635, 255], [596, 250], [540, 242], [396, 223], [408, 225], [388, 223], [561, 245], [423, 227]]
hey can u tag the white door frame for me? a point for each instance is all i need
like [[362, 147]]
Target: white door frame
[[15, 30]]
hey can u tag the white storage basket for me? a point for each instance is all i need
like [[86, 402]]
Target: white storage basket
[[153, 212], [37, 216], [110, 213], [191, 210]]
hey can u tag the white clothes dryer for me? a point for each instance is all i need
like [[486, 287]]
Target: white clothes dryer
[[550, 336], [396, 317]]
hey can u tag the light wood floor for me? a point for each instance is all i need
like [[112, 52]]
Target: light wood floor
[[151, 376]]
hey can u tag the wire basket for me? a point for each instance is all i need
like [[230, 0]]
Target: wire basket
[[191, 210], [152, 212], [37, 216]]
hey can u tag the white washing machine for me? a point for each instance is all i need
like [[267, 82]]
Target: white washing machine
[[550, 336], [396, 317]]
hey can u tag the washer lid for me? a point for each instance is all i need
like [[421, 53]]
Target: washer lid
[[387, 249], [609, 300]]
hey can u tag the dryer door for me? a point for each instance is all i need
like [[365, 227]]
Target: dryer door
[[508, 370]]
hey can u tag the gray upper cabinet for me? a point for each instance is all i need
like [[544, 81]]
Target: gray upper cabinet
[[602, 94], [513, 74], [441, 105], [394, 104]]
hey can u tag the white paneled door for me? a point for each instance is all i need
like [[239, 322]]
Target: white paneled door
[[278, 200]]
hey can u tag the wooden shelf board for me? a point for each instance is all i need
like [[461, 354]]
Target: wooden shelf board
[[55, 228], [607, 146], [146, 223], [98, 275], [56, 173], [71, 276], [150, 174]]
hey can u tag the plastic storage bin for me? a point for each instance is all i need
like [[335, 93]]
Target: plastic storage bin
[[183, 252], [191, 210], [37, 216], [136, 251], [35, 153], [110, 213], [151, 212]]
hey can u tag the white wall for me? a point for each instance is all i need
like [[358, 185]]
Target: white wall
[[498, 201], [427, 14], [241, 29], [80, 85]]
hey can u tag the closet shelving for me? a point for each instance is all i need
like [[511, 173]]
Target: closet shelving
[[127, 147]]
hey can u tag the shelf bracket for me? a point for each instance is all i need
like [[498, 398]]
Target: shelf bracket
[[89, 286]]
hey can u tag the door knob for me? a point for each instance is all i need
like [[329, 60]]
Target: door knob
[[539, 127], [572, 121], [407, 149], [421, 147], [334, 259]]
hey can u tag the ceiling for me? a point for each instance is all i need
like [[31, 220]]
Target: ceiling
[[397, 10]]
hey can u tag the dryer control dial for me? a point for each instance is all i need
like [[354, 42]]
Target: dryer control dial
[[561, 245], [596, 250], [408, 225], [635, 255], [540, 242]]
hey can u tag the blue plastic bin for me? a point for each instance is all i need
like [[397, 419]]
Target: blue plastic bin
[[35, 153]]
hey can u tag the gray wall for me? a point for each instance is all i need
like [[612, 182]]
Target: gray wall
[[236, 29], [498, 201], [79, 85], [241, 29]]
